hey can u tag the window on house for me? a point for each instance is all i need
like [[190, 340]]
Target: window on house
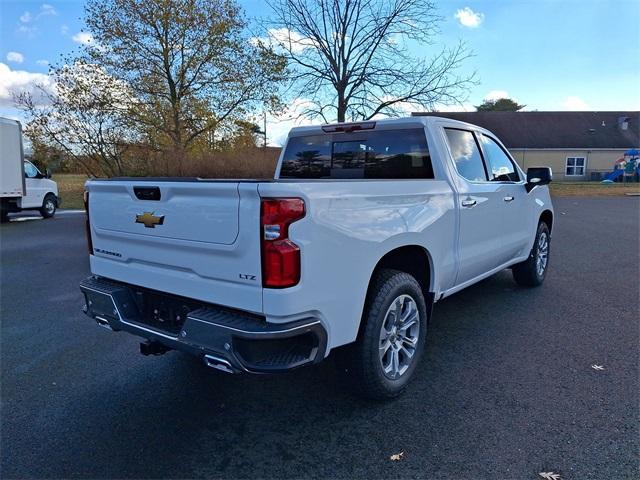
[[576, 166]]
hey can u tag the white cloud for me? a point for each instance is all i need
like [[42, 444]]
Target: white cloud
[[13, 82], [496, 95], [278, 126], [15, 57], [26, 17], [64, 29], [83, 38], [285, 39], [468, 18], [46, 9], [43, 63], [574, 103]]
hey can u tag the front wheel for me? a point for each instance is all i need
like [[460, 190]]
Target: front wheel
[[49, 205], [381, 363], [532, 271]]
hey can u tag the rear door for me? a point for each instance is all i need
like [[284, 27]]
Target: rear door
[[198, 239], [515, 229], [480, 204]]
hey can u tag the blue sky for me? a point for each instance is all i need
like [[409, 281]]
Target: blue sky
[[547, 54]]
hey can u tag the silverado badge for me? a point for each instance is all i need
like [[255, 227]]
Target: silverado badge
[[149, 220]]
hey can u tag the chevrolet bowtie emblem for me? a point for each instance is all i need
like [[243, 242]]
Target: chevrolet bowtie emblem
[[149, 220]]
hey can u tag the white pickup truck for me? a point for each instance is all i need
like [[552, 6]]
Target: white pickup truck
[[365, 226]]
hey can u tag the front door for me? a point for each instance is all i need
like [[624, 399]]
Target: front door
[[35, 188], [516, 228]]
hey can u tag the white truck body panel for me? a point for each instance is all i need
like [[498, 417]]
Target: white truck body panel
[[11, 157], [209, 247]]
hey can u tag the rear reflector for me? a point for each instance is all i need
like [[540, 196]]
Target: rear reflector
[[85, 197], [280, 256], [348, 127]]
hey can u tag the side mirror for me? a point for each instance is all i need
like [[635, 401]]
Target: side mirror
[[537, 176], [47, 173]]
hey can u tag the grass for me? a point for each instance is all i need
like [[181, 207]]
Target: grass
[[71, 187], [592, 189]]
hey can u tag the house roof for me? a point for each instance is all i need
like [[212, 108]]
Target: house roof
[[555, 129]]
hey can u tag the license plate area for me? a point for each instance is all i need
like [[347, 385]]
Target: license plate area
[[163, 312]]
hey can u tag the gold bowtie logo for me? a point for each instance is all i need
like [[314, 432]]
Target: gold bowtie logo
[[149, 220]]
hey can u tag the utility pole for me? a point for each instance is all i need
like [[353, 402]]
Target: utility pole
[[264, 129]]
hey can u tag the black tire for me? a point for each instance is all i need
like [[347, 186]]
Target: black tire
[[527, 273], [49, 205], [361, 362]]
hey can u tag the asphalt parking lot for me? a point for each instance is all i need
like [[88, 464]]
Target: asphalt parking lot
[[506, 389]]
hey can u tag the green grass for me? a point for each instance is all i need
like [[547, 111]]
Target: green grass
[[592, 189], [71, 188]]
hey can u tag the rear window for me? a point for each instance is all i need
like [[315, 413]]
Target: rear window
[[385, 154]]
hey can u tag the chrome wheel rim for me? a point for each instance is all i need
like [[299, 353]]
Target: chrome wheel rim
[[49, 206], [543, 254], [399, 336]]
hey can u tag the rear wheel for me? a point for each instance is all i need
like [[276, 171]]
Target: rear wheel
[[49, 205], [532, 271], [381, 363]]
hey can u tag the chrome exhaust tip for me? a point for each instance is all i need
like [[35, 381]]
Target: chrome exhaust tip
[[103, 322], [218, 363]]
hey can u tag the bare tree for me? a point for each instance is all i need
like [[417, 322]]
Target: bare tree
[[85, 115], [351, 59]]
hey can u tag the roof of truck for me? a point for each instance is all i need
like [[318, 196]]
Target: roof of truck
[[387, 123]]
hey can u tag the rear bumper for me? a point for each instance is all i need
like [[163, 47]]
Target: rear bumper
[[229, 340]]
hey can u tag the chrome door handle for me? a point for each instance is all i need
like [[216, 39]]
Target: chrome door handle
[[468, 203], [508, 199]]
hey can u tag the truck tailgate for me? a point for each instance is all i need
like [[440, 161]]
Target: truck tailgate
[[198, 239]]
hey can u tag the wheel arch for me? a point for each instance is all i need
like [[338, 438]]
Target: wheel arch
[[547, 217], [412, 259]]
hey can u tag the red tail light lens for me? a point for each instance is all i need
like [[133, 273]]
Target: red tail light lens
[[87, 224], [280, 256]]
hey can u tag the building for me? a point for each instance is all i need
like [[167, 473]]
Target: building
[[578, 146]]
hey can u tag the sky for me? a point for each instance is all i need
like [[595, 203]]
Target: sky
[[546, 54]]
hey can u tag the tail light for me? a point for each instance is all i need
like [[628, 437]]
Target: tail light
[[280, 256], [87, 223]]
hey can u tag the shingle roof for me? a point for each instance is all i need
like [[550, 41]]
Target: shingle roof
[[555, 129]]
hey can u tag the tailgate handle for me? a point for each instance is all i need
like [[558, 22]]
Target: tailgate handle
[[147, 193]]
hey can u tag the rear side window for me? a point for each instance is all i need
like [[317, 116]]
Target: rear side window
[[500, 165], [466, 154], [383, 154]]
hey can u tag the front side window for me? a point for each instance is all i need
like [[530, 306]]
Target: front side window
[[501, 167], [576, 166], [383, 154], [466, 154], [30, 171]]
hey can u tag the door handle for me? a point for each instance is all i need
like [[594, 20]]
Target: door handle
[[508, 199], [468, 203]]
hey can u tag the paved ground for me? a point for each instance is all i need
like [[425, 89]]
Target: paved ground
[[505, 391]]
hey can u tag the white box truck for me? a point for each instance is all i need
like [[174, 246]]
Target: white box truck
[[22, 185]]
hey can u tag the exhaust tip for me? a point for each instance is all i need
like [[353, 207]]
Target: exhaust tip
[[218, 363], [103, 322]]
